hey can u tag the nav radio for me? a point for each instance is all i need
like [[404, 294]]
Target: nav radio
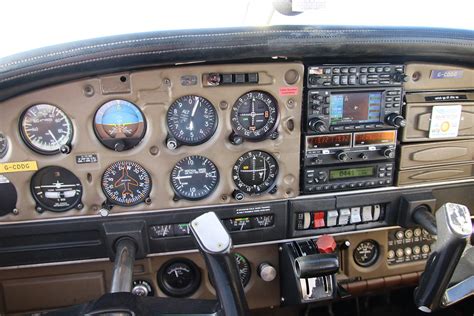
[[352, 116]]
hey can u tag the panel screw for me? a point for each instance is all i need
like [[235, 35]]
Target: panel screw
[[15, 211], [166, 81], [88, 91]]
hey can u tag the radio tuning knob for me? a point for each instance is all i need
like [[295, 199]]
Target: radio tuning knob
[[389, 153], [399, 77], [317, 125], [342, 156], [395, 120]]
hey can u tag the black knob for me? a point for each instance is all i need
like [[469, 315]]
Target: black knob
[[364, 156], [238, 195], [313, 80], [396, 120], [399, 77], [342, 156], [317, 125], [389, 153]]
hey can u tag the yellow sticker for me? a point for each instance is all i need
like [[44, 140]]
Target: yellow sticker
[[19, 166]]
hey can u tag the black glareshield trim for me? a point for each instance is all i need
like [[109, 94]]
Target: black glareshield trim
[[56, 64]]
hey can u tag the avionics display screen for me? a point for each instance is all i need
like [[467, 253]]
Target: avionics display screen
[[329, 141], [355, 107], [375, 138], [337, 174]]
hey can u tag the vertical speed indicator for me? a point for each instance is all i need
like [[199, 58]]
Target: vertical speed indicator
[[194, 178]]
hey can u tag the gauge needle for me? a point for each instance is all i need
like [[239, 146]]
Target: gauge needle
[[54, 138], [191, 124]]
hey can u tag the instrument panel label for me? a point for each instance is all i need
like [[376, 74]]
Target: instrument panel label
[[287, 91], [19, 166], [445, 121], [447, 74], [87, 158]]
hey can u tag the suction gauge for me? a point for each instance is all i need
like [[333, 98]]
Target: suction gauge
[[56, 189], [366, 253], [119, 125]]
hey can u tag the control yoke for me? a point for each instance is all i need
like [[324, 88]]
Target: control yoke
[[449, 274]]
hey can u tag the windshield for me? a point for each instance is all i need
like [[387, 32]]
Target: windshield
[[32, 24]]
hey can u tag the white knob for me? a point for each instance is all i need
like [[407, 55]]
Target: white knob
[[266, 272]]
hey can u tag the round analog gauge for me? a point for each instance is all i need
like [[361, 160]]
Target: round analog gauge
[[179, 278], [194, 178], [8, 196], [255, 172], [244, 268], [119, 125], [126, 183], [191, 120], [56, 189], [254, 115], [46, 129], [366, 253], [3, 145]]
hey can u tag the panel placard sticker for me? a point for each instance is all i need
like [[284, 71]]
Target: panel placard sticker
[[445, 120]]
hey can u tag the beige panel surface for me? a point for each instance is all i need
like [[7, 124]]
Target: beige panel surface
[[422, 71], [436, 174], [47, 287], [436, 153], [154, 91], [47, 292], [418, 116]]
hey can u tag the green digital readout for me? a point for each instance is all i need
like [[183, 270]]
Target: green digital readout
[[351, 173]]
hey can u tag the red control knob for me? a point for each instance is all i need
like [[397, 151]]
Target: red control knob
[[326, 244]]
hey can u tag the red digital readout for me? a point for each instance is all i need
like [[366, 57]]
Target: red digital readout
[[330, 141], [375, 138]]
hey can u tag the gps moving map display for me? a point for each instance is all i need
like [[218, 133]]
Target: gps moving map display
[[355, 107]]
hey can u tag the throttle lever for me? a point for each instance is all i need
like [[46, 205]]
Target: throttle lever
[[215, 244], [453, 227]]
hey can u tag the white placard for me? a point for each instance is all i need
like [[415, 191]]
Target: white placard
[[445, 120]]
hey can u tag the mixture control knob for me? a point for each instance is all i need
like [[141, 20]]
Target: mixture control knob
[[396, 120], [389, 153], [326, 244], [342, 156], [266, 272], [317, 125]]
